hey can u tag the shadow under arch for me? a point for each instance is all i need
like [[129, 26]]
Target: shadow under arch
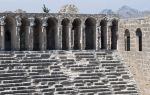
[[114, 29], [103, 25], [139, 39], [90, 32], [51, 30], [76, 30], [10, 29], [36, 34], [65, 33], [127, 40]]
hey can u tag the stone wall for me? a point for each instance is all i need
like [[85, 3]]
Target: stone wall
[[138, 61]]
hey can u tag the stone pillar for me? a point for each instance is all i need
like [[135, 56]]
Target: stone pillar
[[72, 38], [17, 35], [60, 35], [81, 36], [2, 33], [58, 38], [43, 36], [69, 36], [99, 37], [29, 34], [109, 25], [96, 36]]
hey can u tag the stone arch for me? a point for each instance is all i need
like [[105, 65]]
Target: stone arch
[[76, 30], [36, 34], [51, 30], [23, 29], [10, 29], [139, 39], [127, 40], [65, 33], [90, 32], [114, 30], [103, 25]]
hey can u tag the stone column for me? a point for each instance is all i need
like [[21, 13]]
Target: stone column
[[99, 37], [29, 34], [60, 35], [96, 36], [17, 35], [2, 33], [69, 36], [43, 36], [72, 38], [109, 25], [58, 38], [81, 36]]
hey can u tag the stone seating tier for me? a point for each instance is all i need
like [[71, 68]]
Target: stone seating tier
[[64, 73]]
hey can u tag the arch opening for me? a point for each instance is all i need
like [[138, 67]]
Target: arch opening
[[90, 31], [36, 34], [103, 25], [139, 39], [127, 40], [65, 33], [114, 30], [76, 29], [9, 33], [51, 30]]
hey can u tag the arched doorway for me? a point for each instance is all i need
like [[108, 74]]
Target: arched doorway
[[127, 40], [10, 28], [139, 39], [36, 34], [114, 30], [90, 32], [51, 30], [65, 33], [76, 33], [103, 25]]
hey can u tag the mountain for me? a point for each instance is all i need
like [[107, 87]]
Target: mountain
[[127, 12], [107, 11]]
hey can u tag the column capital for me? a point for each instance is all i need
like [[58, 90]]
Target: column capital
[[31, 21], [109, 23], [44, 21], [2, 20], [18, 21]]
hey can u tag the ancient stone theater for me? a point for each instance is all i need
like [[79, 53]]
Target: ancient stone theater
[[73, 54]]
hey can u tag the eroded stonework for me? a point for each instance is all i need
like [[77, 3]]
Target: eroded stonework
[[75, 34]]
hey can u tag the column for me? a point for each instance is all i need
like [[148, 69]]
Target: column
[[58, 38], [109, 25], [17, 35], [29, 34], [96, 36], [69, 36], [99, 37], [2, 33], [43, 36], [81, 36], [72, 38]]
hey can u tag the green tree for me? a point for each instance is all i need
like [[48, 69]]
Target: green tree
[[45, 9]]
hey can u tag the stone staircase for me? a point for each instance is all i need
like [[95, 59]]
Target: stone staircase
[[64, 73]]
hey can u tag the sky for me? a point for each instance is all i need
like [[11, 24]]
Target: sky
[[85, 6]]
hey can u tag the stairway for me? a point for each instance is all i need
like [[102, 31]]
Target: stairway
[[64, 73]]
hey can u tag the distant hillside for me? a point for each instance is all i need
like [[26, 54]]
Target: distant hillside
[[127, 12]]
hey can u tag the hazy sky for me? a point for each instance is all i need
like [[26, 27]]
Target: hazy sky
[[85, 6]]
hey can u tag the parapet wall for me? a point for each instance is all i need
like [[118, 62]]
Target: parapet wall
[[138, 61]]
